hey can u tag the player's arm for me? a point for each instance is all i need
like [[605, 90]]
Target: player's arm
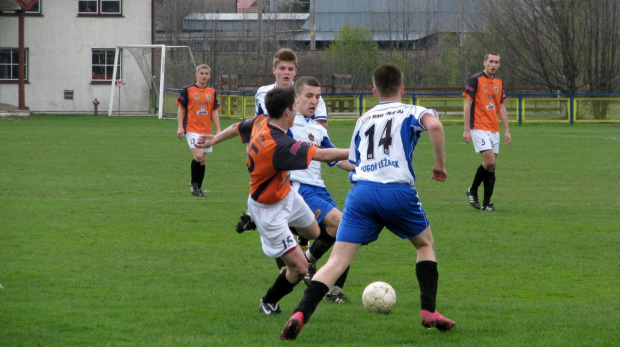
[[215, 117], [205, 141], [466, 120], [180, 118], [330, 154], [345, 165], [323, 122], [437, 137], [503, 115]]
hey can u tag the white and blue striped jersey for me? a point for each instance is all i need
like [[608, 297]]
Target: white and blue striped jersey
[[319, 114], [383, 142], [307, 130]]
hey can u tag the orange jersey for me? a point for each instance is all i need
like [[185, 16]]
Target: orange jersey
[[199, 104], [271, 154], [487, 95]]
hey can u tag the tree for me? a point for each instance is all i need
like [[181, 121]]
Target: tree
[[354, 52], [567, 46]]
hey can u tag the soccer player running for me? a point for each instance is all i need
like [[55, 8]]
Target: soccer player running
[[272, 204], [197, 107], [309, 183], [383, 196], [484, 100]]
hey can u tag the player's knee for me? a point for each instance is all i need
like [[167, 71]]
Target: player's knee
[[489, 165]]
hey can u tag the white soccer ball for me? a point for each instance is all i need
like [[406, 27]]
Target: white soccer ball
[[379, 297]]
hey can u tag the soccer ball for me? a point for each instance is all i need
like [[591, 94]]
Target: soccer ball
[[379, 297]]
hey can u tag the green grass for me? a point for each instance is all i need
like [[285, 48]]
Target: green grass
[[101, 243]]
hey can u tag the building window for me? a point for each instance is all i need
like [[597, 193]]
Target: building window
[[9, 64], [103, 65], [99, 7], [35, 9]]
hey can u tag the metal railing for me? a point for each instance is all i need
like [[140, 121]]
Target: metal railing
[[522, 108]]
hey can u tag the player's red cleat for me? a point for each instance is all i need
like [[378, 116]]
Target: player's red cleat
[[435, 319], [293, 326]]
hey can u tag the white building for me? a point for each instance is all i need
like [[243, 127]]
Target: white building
[[70, 47]]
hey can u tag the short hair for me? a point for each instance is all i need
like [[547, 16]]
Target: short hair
[[279, 99], [202, 67], [387, 80], [284, 54], [488, 54], [306, 81]]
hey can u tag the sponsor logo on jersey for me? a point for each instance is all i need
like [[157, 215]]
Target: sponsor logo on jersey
[[495, 89], [311, 137], [196, 96], [208, 96], [202, 112], [295, 147]]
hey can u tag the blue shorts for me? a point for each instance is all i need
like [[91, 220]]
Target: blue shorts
[[371, 206], [318, 199]]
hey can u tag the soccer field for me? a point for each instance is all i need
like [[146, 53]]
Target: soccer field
[[101, 243]]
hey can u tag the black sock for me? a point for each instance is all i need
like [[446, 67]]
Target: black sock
[[489, 184], [340, 281], [428, 277], [201, 175], [195, 170], [280, 263], [321, 244], [312, 297], [481, 173], [279, 289]]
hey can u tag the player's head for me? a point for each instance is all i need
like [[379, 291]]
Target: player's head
[[308, 91], [491, 63], [279, 101], [387, 80], [203, 73], [284, 66]]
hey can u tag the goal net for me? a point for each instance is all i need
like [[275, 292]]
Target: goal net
[[143, 73]]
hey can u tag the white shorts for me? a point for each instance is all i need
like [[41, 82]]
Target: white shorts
[[485, 140], [272, 222], [191, 141]]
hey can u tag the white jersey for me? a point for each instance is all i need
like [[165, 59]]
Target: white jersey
[[383, 142], [307, 130], [319, 114]]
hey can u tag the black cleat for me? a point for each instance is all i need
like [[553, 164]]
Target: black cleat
[[489, 207], [473, 198], [245, 223], [339, 298], [269, 309], [193, 188]]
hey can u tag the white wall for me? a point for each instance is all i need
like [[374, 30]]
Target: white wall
[[59, 44]]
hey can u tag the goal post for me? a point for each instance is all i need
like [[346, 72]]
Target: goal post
[[141, 75]]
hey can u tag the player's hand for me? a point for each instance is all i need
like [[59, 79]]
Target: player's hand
[[439, 174], [205, 141], [180, 133], [466, 136], [508, 138]]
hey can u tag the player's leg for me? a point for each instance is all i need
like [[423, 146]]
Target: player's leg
[[296, 268], [272, 222], [428, 278], [320, 246], [338, 262], [482, 144], [490, 162], [197, 165], [356, 227]]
